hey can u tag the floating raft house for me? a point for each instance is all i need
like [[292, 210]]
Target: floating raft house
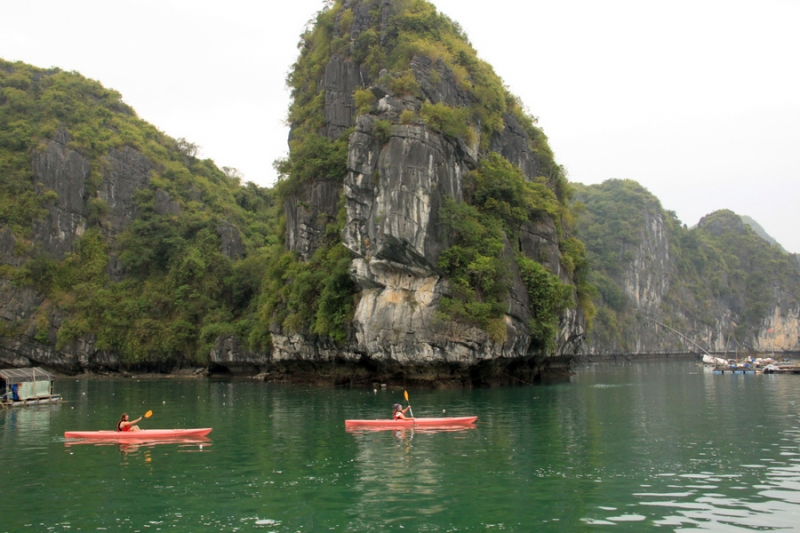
[[27, 386]]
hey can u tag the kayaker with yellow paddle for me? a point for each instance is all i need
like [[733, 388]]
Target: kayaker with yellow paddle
[[130, 425], [400, 413]]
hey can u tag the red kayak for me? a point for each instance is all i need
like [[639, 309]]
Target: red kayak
[[183, 441], [138, 435], [415, 423]]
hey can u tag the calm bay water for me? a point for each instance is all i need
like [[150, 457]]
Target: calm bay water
[[651, 446]]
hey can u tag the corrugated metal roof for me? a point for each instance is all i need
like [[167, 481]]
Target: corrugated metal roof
[[21, 375]]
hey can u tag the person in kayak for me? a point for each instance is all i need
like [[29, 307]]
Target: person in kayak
[[400, 413], [125, 425]]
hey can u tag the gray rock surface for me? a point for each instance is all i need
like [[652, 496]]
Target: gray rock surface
[[393, 194], [229, 353], [124, 172], [513, 144], [63, 170], [539, 241], [8, 248], [78, 357], [18, 303], [341, 79], [164, 205], [115, 269], [230, 240], [441, 87], [307, 217]]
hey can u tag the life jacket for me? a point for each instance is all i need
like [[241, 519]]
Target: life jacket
[[398, 415], [120, 428]]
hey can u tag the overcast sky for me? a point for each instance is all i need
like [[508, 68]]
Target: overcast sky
[[697, 100]]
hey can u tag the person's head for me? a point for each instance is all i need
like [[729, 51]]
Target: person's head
[[124, 417], [398, 407]]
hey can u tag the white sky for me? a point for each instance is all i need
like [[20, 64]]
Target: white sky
[[697, 100]]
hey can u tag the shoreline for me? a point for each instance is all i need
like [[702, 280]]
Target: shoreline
[[499, 372]]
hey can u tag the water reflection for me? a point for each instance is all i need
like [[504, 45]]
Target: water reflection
[[402, 475], [26, 426]]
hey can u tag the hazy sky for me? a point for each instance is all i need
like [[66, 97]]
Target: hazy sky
[[697, 100]]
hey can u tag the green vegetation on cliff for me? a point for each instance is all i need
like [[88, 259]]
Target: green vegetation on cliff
[[179, 291], [498, 201], [316, 296]]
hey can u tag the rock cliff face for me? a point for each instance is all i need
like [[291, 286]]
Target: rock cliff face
[[308, 216], [63, 170], [60, 169], [398, 177], [125, 172], [23, 309], [688, 290]]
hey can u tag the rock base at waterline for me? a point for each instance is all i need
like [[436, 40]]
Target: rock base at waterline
[[367, 372]]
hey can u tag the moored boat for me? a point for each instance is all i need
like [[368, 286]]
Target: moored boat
[[138, 435], [388, 423], [713, 361]]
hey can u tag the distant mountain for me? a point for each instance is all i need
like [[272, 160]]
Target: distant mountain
[[761, 232], [660, 283]]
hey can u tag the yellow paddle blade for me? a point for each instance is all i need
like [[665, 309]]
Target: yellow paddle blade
[[405, 393], [148, 414]]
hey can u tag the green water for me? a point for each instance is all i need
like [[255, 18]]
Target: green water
[[649, 446]]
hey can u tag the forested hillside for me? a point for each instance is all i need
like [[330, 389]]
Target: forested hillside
[[420, 230], [420, 217], [720, 283], [116, 238]]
